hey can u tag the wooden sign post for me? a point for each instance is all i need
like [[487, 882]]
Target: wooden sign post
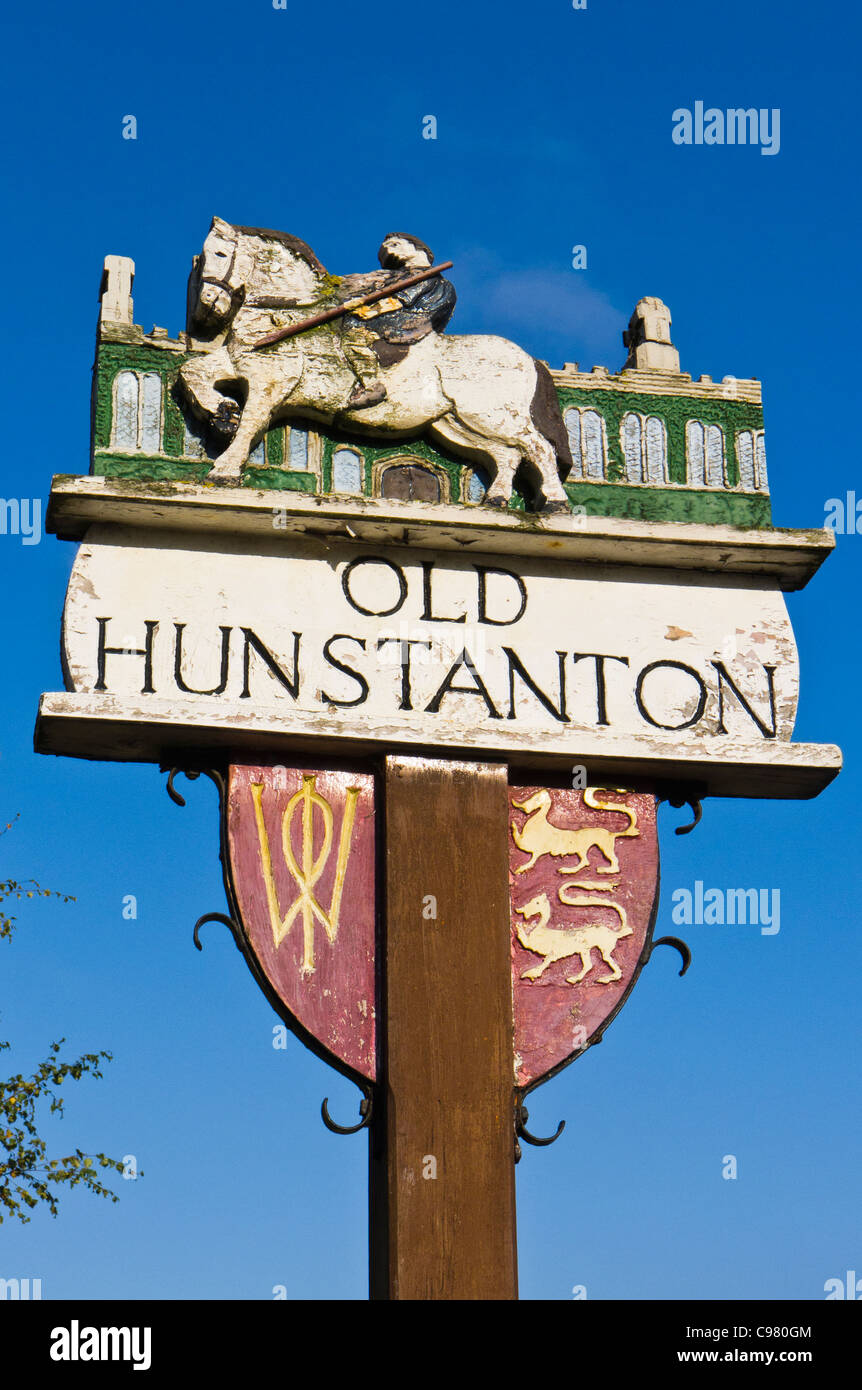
[[444, 627], [443, 1172]]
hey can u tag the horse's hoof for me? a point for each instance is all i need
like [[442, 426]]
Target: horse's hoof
[[498, 503], [232, 479], [556, 508], [226, 419]]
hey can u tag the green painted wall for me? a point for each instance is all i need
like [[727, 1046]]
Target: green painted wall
[[612, 498], [641, 503], [675, 411]]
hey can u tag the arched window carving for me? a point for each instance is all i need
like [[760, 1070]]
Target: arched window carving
[[410, 482], [297, 450], [633, 447], [644, 445], [705, 460], [586, 431], [346, 471], [760, 461], [751, 455], [151, 413], [138, 412], [126, 410], [715, 474], [476, 486], [695, 453], [655, 450]]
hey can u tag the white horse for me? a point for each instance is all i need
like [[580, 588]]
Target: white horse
[[481, 397]]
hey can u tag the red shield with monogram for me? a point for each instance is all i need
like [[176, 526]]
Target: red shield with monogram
[[302, 865]]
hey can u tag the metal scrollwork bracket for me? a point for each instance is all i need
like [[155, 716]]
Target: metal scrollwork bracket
[[678, 945], [192, 774], [680, 799], [522, 1115], [366, 1105], [232, 926], [179, 800]]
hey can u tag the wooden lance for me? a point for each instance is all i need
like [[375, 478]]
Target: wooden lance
[[350, 304]]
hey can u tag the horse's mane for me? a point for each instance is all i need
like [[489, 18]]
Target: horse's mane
[[293, 243]]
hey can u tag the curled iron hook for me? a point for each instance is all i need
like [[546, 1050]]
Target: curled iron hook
[[522, 1115], [216, 917], [365, 1108], [697, 811], [696, 808], [678, 945], [171, 789]]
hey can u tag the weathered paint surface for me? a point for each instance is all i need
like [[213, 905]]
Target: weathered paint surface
[[583, 886], [600, 408], [442, 1177], [479, 395], [434, 642], [301, 843]]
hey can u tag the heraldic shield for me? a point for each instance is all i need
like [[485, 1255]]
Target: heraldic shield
[[302, 862], [584, 881]]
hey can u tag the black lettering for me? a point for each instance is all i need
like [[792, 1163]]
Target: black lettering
[[146, 652], [374, 560], [406, 644], [448, 687], [483, 571], [427, 614], [348, 671], [601, 688], [676, 666], [723, 675], [290, 683], [178, 662], [516, 665]]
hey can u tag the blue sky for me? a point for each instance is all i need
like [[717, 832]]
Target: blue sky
[[553, 129]]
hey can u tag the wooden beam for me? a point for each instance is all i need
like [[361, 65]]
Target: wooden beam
[[442, 1143], [152, 729], [785, 558]]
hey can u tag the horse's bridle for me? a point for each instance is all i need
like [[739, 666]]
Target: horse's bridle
[[236, 292]]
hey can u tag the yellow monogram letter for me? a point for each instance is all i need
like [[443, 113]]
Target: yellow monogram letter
[[306, 874]]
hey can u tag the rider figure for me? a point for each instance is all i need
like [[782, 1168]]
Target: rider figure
[[380, 334]]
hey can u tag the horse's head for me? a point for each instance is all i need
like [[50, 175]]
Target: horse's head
[[219, 277], [536, 802], [250, 265]]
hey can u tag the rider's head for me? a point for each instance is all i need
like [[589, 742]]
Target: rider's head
[[400, 251]]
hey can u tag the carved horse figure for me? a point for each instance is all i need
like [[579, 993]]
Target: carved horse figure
[[557, 943], [480, 397]]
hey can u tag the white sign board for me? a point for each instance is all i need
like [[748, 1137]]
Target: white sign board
[[431, 645], [665, 654]]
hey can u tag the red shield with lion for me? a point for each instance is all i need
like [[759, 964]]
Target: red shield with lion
[[583, 875]]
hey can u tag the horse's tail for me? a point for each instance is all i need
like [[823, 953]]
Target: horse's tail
[[548, 418], [591, 800]]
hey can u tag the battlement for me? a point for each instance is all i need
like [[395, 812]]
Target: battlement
[[630, 379], [648, 442]]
